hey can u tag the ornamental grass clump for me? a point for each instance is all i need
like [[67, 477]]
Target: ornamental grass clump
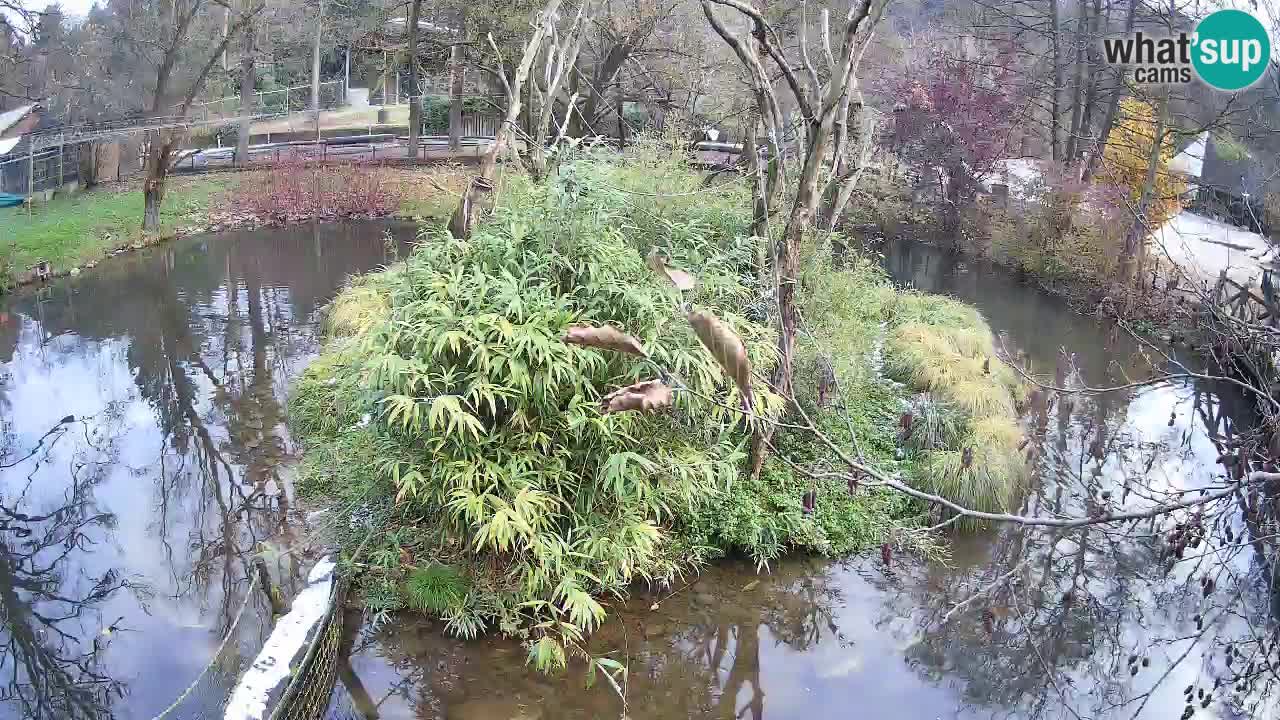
[[944, 348]]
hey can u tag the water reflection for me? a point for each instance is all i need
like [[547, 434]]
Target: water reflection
[[144, 459], [53, 674], [1082, 623]]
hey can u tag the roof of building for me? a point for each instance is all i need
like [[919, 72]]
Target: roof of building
[[1244, 168], [1190, 161], [11, 117]]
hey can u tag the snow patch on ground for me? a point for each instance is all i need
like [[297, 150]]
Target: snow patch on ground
[[1204, 248], [251, 696], [1022, 175]]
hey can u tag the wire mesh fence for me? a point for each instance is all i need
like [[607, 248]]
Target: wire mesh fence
[[26, 170], [333, 94]]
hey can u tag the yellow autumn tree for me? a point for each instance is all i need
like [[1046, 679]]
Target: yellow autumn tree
[[1128, 153]]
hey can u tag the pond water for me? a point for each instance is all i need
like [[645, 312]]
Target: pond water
[[144, 460]]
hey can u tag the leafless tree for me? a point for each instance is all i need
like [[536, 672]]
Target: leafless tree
[[821, 135], [248, 84], [544, 45], [178, 24]]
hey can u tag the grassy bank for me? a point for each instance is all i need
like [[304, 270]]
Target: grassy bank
[[448, 412], [72, 230]]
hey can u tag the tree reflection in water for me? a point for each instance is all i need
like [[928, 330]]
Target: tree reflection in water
[[178, 358], [1108, 621], [50, 668]]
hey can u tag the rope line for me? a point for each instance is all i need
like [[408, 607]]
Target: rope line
[[253, 582], [322, 637]]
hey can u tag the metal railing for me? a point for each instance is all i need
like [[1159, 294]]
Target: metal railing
[[269, 104], [287, 100], [49, 159]]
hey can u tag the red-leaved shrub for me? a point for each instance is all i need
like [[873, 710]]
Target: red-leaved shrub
[[296, 190]]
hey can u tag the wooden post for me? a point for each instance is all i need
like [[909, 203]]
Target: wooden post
[[31, 171], [386, 78], [622, 122], [62, 153], [456, 79], [274, 596]]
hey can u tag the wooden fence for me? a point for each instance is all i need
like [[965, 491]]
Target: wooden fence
[[1242, 302]]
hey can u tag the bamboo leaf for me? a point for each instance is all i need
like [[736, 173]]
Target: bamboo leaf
[[678, 278], [727, 348], [606, 338], [648, 396]]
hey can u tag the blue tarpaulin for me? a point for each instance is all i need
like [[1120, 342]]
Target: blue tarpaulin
[[7, 200]]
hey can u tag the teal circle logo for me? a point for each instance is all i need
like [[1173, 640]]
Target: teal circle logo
[[1231, 50]]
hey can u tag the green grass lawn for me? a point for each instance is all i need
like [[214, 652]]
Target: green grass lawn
[[76, 229], [429, 192], [437, 207]]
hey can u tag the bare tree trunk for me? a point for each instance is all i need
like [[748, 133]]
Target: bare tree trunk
[[478, 198], [1055, 97], [1135, 240], [315, 64], [1077, 89], [604, 75], [415, 102], [455, 97], [156, 170], [525, 118], [1095, 73], [951, 205], [226, 27], [248, 79], [759, 183], [160, 149], [1113, 108], [558, 62], [848, 181], [622, 122], [386, 78], [751, 55]]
